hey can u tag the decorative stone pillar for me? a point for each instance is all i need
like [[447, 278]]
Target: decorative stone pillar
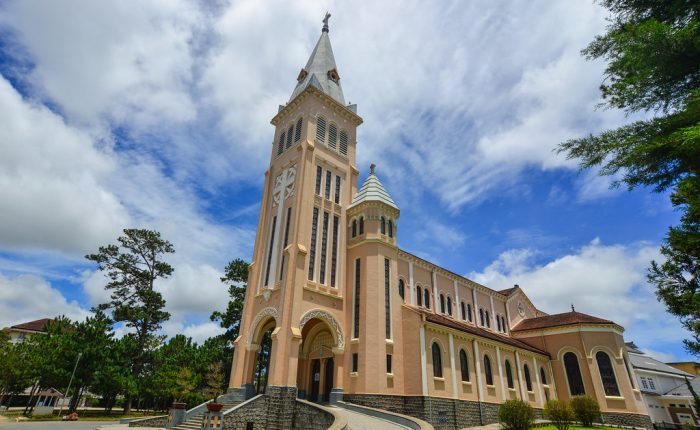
[[176, 415]]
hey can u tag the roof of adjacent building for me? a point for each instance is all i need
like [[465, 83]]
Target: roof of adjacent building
[[641, 361], [558, 320], [316, 72], [37, 325], [478, 331], [373, 190], [509, 291], [682, 390]]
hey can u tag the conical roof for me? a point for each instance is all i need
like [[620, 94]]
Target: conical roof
[[373, 190], [320, 71]]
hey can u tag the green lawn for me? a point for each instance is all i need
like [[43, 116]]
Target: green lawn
[[576, 427]]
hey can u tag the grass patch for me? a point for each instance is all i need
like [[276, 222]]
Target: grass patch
[[576, 427]]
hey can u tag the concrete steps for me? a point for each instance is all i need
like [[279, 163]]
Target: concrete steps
[[195, 423]]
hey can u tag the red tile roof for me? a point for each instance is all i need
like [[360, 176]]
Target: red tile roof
[[508, 291], [38, 325], [558, 320], [448, 322]]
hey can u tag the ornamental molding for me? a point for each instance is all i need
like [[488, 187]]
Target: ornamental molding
[[266, 312], [327, 318]]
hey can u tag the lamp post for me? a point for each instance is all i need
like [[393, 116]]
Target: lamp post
[[69, 383]]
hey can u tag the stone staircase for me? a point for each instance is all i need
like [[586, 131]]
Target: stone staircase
[[195, 422]]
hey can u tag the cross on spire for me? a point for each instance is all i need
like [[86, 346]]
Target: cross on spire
[[325, 22]]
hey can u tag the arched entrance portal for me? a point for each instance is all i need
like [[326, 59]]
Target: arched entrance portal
[[262, 343], [316, 370]]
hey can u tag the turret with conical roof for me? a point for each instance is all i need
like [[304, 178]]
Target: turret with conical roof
[[373, 211]]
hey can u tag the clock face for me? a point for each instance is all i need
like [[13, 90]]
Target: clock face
[[521, 309]]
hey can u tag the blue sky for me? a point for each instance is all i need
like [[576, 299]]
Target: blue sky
[[156, 115]]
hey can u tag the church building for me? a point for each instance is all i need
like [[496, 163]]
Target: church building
[[336, 310]]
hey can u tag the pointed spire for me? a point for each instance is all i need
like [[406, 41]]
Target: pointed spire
[[373, 190], [320, 71]]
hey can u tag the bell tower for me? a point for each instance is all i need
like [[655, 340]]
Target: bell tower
[[292, 336]]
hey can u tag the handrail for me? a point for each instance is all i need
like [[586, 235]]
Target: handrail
[[235, 408], [340, 421], [412, 422]]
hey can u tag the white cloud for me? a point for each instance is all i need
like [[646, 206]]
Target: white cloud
[[659, 355], [608, 281], [27, 298]]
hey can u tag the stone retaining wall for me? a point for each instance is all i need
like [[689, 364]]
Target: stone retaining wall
[[160, 421], [309, 417], [443, 414], [627, 420]]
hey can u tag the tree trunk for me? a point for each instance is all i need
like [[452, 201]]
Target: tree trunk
[[29, 405], [73, 406], [127, 404]]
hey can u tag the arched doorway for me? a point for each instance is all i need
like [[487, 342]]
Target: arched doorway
[[315, 372], [262, 362], [328, 380]]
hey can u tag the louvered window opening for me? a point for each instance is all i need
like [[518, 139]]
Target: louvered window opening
[[269, 253], [449, 306], [426, 296], [509, 375], [469, 312], [324, 245], [312, 250], [280, 144], [387, 297], [356, 322], [383, 225], [343, 143], [402, 289], [328, 185], [419, 296], [391, 228], [333, 136], [334, 250], [290, 132], [319, 177], [362, 225], [442, 303], [543, 376], [321, 129], [463, 310], [354, 228], [297, 131]]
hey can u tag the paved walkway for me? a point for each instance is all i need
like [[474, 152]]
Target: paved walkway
[[358, 421], [60, 425]]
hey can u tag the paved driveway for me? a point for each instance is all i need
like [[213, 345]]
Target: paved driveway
[[358, 421], [58, 425]]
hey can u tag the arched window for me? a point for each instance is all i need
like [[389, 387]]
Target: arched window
[[573, 374], [419, 296], [332, 136], [426, 295], [280, 144], [442, 303], [481, 316], [503, 324], [290, 134], [607, 374], [437, 361], [498, 322], [464, 365], [469, 312], [449, 306], [488, 320], [528, 380], [362, 225], [401, 289], [463, 311], [383, 225], [487, 370], [343, 143], [354, 228], [321, 129], [543, 376], [509, 375], [297, 131], [391, 228]]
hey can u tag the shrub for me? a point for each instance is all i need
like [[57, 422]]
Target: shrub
[[515, 415], [586, 409], [559, 413]]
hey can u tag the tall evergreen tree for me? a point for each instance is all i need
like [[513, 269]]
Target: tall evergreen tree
[[133, 266], [235, 276], [652, 49]]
